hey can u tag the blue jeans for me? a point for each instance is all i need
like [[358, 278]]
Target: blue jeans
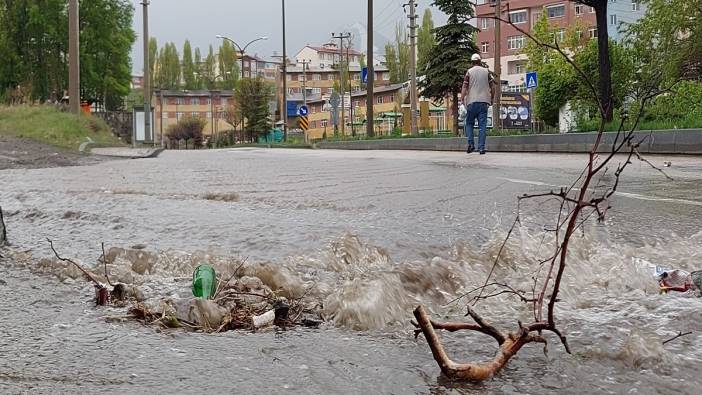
[[480, 111]]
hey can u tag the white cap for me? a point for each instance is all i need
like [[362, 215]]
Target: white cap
[[475, 57]]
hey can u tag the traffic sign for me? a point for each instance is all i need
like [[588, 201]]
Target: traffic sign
[[304, 122], [302, 111], [532, 80], [364, 75]]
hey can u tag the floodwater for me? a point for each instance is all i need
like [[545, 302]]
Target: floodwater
[[368, 234]]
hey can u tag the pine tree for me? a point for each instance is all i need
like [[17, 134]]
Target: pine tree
[[450, 58]]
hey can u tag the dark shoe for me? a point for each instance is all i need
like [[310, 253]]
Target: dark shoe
[[482, 152], [470, 149]]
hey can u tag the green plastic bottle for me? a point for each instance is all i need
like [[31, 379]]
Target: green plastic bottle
[[204, 282]]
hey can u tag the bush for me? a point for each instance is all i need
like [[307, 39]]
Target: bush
[[187, 129]]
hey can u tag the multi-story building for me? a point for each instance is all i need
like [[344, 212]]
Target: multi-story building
[[321, 80], [562, 14], [328, 55], [137, 82], [525, 14], [171, 106]]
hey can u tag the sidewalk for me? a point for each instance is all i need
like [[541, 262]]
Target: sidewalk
[[684, 141], [132, 153]]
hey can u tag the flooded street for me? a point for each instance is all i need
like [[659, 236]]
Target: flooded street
[[370, 235]]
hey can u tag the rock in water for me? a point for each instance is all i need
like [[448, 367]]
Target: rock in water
[[697, 280]]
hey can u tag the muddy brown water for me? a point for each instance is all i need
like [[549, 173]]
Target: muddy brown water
[[374, 234]]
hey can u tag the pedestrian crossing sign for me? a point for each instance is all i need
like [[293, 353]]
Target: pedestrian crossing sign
[[532, 80]]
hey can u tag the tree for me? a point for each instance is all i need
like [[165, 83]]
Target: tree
[[170, 69], [425, 41], [199, 69], [209, 69], [253, 96], [397, 56], [450, 58], [228, 66], [188, 67], [669, 38], [605, 66], [187, 129], [153, 60]]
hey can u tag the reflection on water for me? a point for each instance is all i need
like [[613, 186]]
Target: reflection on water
[[368, 239]]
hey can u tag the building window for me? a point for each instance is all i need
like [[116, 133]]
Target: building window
[[379, 100], [288, 77], [484, 47], [518, 68], [635, 5], [592, 10], [324, 123], [613, 19], [484, 23], [518, 17], [579, 34], [179, 115], [317, 77], [515, 42], [556, 11], [317, 91], [164, 114], [209, 114], [560, 35], [208, 101], [180, 101], [578, 9], [592, 32], [195, 114], [195, 101]]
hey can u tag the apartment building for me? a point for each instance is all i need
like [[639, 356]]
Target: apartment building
[[320, 81], [328, 55], [171, 106], [525, 13]]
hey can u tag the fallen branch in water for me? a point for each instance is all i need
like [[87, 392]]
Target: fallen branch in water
[[3, 229], [102, 296], [679, 335]]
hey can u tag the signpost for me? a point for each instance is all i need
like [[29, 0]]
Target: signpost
[[302, 118], [532, 82]]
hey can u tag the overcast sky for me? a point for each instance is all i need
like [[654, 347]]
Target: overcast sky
[[308, 22]]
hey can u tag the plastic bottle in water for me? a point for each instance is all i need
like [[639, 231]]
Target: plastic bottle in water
[[204, 282]]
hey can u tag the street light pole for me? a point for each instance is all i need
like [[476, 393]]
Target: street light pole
[[147, 77], [285, 80], [242, 50], [73, 57], [371, 73]]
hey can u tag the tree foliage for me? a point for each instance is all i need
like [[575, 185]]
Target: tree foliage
[[34, 49], [425, 41], [187, 129], [228, 66], [169, 67], [252, 96], [397, 56], [450, 58], [188, 67], [669, 38]]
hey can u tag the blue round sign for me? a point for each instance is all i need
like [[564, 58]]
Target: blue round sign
[[302, 111]]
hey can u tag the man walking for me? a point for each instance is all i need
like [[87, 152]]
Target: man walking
[[477, 94]]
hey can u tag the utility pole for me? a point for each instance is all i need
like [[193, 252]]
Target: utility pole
[[73, 56], [342, 37], [371, 73], [348, 72], [147, 77], [305, 65], [285, 80], [413, 65], [496, 124]]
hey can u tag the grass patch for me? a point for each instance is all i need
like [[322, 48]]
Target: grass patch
[[48, 125]]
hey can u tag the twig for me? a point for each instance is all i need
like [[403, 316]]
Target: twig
[[236, 271], [104, 261], [3, 229], [680, 334], [87, 274]]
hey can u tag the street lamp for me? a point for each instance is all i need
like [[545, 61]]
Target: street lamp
[[242, 50]]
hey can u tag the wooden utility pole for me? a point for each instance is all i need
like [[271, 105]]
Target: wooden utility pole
[[305, 65], [371, 73], [285, 80], [147, 77], [342, 86], [413, 66], [73, 56], [496, 124]]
